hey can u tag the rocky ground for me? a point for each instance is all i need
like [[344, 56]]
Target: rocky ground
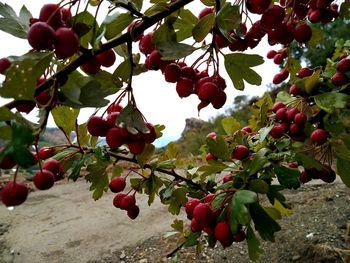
[[65, 225]]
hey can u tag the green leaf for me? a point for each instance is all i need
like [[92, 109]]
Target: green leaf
[[132, 119], [21, 77], [184, 24], [259, 186], [152, 186], [218, 147], [177, 200], [332, 100], [21, 135], [254, 249], [208, 2], [98, 178], [123, 70], [213, 168], [264, 224], [65, 118], [84, 24], [117, 171], [178, 225], [343, 168], [245, 197], [174, 50], [165, 33], [228, 18], [287, 177], [76, 168], [258, 162], [5, 132], [154, 9], [6, 114], [293, 66], [230, 125], [238, 66], [312, 81], [116, 23], [84, 137], [22, 156], [146, 155], [203, 27], [345, 10], [317, 37], [11, 23], [192, 240]]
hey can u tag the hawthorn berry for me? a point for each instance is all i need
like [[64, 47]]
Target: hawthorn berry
[[207, 91], [172, 73], [92, 66], [300, 118], [117, 199], [14, 193], [294, 90], [136, 147], [133, 212], [223, 233], [205, 11], [240, 152], [7, 163], [5, 63], [127, 202], [219, 100], [117, 184], [303, 33], [272, 17], [107, 58], [145, 45], [257, 6], [115, 138], [184, 87], [339, 79], [45, 153], [41, 36], [203, 214], [190, 205], [44, 179], [51, 14], [319, 136], [277, 106], [54, 167], [304, 177], [97, 126], [342, 66], [195, 226], [66, 42], [26, 106], [305, 72], [291, 113]]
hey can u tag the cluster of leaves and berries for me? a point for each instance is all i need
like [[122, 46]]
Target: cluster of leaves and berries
[[286, 144]]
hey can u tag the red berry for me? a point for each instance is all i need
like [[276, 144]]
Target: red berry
[[128, 202], [278, 59], [219, 99], [54, 167], [271, 54], [117, 199], [305, 72], [210, 156], [172, 73], [277, 131], [131, 27], [207, 91], [112, 118], [41, 36], [115, 138], [45, 153], [300, 118], [291, 113], [257, 6], [212, 135], [206, 11], [246, 130], [117, 184], [14, 193], [294, 90], [136, 147], [116, 107], [342, 66], [133, 212], [107, 58], [51, 14], [223, 233], [203, 214], [26, 106], [66, 16], [7, 163], [239, 236], [190, 205], [314, 15], [153, 61], [304, 177], [281, 114], [209, 198], [151, 136], [145, 45], [279, 77], [195, 226], [227, 178], [319, 136], [44, 180], [188, 72], [339, 79], [277, 106], [66, 42], [302, 33], [5, 63], [272, 17], [327, 174], [97, 126], [240, 152], [184, 87], [295, 129], [92, 66]]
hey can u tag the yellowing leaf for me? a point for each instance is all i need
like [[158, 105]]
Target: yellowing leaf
[[283, 210]]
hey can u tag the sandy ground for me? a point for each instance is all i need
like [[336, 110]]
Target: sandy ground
[[65, 223]]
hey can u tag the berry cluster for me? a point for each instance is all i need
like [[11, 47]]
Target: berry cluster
[[117, 136], [326, 174], [51, 171], [205, 218], [121, 200], [341, 77], [105, 59]]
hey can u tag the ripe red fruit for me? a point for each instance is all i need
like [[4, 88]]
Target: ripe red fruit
[[115, 138], [327, 174], [14, 193], [271, 54], [7, 163], [294, 90], [5, 63], [339, 79], [212, 135], [145, 44], [240, 152], [257, 6], [277, 106], [300, 118], [97, 126], [117, 184], [305, 72], [131, 27], [206, 11], [54, 167], [133, 212], [190, 205], [184, 87], [66, 42], [223, 232], [117, 199], [151, 136], [277, 131], [128, 202], [136, 147], [281, 114], [43, 98], [227, 178], [279, 77], [302, 33], [188, 72], [92, 66], [44, 180], [41, 36], [116, 107], [51, 14], [210, 156], [342, 66], [295, 129], [304, 177], [172, 73], [45, 153], [221, 41], [209, 198], [107, 58], [219, 100], [153, 61], [246, 130], [112, 118], [195, 226], [291, 113], [203, 214], [66, 16], [272, 17], [207, 91], [314, 15], [319, 136], [278, 59], [26, 106], [293, 165], [239, 236]]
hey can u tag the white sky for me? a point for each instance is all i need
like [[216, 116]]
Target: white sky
[[157, 99]]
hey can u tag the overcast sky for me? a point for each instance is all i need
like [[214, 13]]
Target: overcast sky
[[156, 99]]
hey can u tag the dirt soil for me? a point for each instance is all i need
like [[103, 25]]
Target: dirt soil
[[64, 224]]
